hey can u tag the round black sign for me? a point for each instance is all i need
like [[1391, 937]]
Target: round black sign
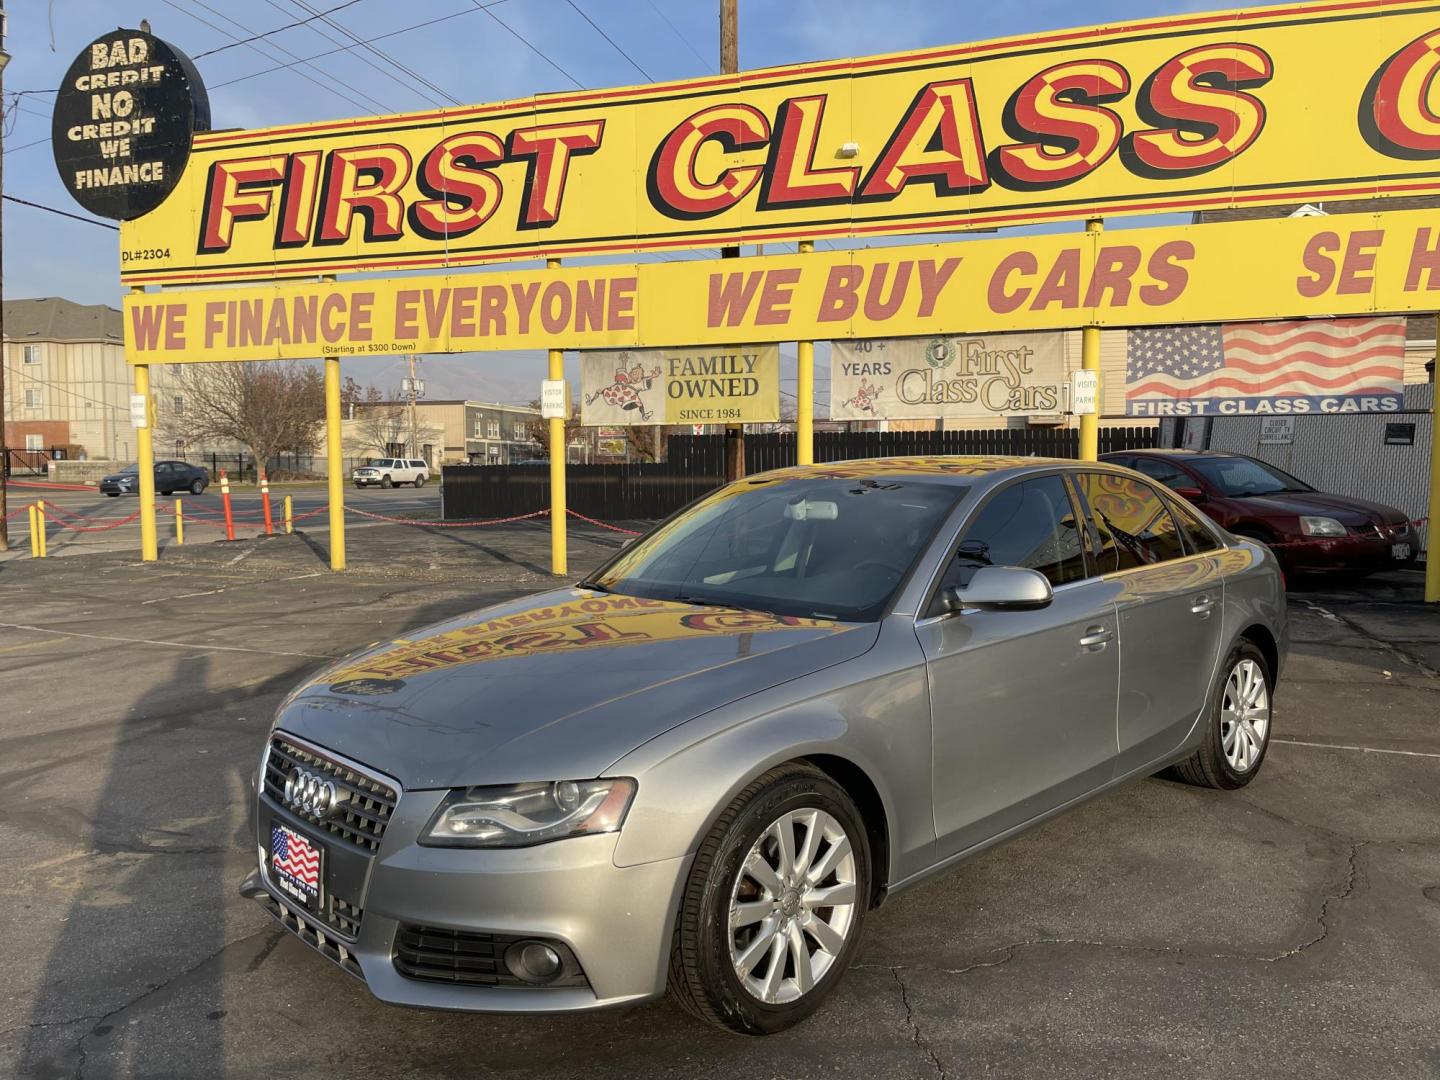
[[123, 121]]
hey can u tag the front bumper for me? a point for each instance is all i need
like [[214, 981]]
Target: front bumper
[[617, 921], [1356, 551]]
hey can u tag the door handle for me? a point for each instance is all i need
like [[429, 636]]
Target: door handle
[[1202, 605], [1096, 638]]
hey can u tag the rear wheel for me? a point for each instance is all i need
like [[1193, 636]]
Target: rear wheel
[[1239, 723], [420, 481], [113, 494], [773, 909]]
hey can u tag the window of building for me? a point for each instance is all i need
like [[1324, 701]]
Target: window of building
[[31, 354], [493, 429], [32, 398], [179, 405], [520, 433], [34, 442]]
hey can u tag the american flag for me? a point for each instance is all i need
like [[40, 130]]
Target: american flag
[[295, 857], [1309, 358]]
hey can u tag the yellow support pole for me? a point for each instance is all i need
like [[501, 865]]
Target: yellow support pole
[[1432, 527], [144, 441], [40, 520], [289, 516], [179, 522], [557, 466], [34, 532], [1090, 361], [335, 464], [805, 391]]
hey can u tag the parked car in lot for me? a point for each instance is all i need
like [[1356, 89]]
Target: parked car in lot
[[702, 766], [1311, 531], [170, 477], [387, 472]]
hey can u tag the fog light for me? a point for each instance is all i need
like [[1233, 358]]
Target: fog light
[[533, 961]]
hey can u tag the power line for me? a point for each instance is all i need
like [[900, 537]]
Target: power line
[[299, 60], [277, 30], [370, 47], [56, 386], [579, 11], [522, 39], [62, 213], [709, 66]]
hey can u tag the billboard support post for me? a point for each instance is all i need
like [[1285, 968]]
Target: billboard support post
[[1090, 361], [145, 465], [805, 391], [1432, 527], [558, 537], [334, 463]]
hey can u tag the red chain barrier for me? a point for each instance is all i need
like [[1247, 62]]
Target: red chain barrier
[[602, 524], [447, 524], [50, 486], [49, 510]]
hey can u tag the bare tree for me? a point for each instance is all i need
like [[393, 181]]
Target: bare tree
[[353, 396], [538, 429], [271, 408], [646, 441], [383, 426]]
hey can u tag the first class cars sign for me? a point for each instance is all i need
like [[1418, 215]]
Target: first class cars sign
[[1326, 100], [123, 120]]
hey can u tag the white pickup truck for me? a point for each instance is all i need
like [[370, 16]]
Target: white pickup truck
[[387, 472]]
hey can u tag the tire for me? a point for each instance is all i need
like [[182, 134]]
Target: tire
[[420, 481], [703, 976], [112, 494], [197, 487], [386, 482], [165, 493], [1211, 765]]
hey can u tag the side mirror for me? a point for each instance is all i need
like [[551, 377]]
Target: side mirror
[[1002, 587], [1193, 494]]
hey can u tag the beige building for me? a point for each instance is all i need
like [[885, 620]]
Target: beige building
[[449, 432]]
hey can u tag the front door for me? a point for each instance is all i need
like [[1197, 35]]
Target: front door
[[1169, 598], [1022, 702]]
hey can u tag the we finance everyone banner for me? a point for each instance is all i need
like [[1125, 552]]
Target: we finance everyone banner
[[1280, 368], [1346, 264], [1330, 99], [946, 377], [739, 385]]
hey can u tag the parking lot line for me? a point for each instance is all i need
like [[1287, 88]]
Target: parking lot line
[[191, 645], [1359, 749]]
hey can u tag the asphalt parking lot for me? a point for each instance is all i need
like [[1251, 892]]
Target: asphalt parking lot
[[1290, 929]]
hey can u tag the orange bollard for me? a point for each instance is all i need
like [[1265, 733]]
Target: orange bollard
[[225, 499], [265, 501]]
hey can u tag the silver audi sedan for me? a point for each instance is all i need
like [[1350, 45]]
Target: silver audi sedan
[[702, 767]]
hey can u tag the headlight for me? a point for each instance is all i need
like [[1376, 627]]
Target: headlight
[[1321, 526], [522, 815]]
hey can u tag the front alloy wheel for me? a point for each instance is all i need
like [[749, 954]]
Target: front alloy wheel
[[774, 905]]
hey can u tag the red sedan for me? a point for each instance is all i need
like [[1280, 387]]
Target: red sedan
[[1311, 531]]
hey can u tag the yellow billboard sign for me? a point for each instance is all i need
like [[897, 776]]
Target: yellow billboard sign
[[737, 385], [1328, 100], [1351, 264]]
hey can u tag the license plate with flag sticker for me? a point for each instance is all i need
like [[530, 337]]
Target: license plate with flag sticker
[[295, 864]]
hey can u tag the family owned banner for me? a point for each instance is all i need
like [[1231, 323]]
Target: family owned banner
[[736, 385]]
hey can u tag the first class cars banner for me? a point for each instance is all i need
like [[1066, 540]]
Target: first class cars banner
[[1321, 101], [1347, 264]]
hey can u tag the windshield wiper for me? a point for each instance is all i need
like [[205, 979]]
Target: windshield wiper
[[593, 586]]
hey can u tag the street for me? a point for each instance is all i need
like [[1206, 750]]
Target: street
[[1288, 929], [204, 515]]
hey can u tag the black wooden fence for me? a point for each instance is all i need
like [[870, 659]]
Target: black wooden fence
[[695, 464]]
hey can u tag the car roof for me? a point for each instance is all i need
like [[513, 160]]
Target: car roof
[[959, 469], [1161, 451]]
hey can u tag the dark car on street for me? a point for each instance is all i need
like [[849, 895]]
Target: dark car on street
[[170, 477], [1311, 531]]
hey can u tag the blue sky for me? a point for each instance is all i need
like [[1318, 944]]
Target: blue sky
[[465, 54]]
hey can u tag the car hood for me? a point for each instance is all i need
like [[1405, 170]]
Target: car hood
[[552, 687], [1343, 508], [115, 477]]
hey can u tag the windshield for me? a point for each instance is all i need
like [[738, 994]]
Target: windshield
[[811, 547], [1240, 476]]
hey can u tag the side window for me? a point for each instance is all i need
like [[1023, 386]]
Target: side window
[[1197, 537], [1030, 524], [1163, 472], [1133, 526]]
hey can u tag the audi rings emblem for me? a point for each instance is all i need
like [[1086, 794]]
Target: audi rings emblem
[[312, 793]]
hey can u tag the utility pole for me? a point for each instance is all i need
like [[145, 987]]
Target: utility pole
[[413, 385], [729, 64], [4, 451]]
